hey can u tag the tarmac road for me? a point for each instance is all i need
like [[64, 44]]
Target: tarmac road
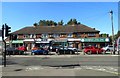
[[62, 65]]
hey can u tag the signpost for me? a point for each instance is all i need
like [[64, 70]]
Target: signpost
[[5, 32]]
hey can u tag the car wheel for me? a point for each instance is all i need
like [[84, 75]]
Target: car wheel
[[103, 52], [89, 52], [97, 52], [71, 52], [108, 49], [32, 53], [45, 53], [58, 53]]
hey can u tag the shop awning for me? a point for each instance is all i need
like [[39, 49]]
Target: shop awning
[[43, 42], [61, 40], [95, 40], [89, 39], [15, 41]]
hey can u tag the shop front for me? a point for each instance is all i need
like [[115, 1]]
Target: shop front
[[29, 43], [98, 42], [15, 43], [80, 43], [43, 42], [74, 42]]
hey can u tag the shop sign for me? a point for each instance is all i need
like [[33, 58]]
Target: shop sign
[[17, 41], [95, 40]]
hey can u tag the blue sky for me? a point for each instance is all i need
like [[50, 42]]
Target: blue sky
[[93, 14]]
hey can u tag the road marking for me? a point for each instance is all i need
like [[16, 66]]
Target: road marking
[[33, 68], [103, 68], [107, 69]]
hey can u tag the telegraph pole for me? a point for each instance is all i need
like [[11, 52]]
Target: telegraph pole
[[113, 41]]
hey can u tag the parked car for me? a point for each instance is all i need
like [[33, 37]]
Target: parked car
[[39, 51], [54, 48], [13, 51], [22, 48], [108, 48], [65, 51], [93, 50], [35, 48], [73, 48]]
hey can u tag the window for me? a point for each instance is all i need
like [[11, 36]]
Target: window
[[91, 34], [56, 35], [32, 36], [70, 35], [44, 35], [26, 36], [78, 35]]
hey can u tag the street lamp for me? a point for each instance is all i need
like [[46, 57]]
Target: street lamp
[[111, 15]]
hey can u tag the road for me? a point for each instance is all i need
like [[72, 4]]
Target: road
[[62, 65]]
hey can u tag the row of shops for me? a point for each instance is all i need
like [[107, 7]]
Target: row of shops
[[71, 42]]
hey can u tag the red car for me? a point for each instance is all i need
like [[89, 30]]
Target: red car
[[93, 50], [22, 48]]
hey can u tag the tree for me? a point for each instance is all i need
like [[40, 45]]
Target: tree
[[51, 23], [117, 35], [69, 22], [41, 23], [61, 22], [73, 22], [55, 24]]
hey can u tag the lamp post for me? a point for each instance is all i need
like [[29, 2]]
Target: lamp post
[[113, 42]]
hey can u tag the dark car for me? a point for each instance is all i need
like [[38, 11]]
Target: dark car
[[39, 51], [54, 48], [13, 51], [65, 51]]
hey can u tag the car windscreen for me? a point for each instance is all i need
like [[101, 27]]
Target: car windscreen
[[110, 46]]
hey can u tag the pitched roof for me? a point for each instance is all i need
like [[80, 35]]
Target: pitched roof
[[55, 29]]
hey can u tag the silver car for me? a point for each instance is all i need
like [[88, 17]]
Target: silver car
[[108, 48]]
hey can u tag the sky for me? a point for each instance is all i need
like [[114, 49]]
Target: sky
[[93, 14]]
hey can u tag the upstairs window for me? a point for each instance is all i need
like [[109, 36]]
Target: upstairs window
[[32, 36], [56, 35], [70, 35], [26, 36], [91, 34], [44, 35]]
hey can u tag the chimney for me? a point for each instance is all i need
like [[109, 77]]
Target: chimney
[[94, 28]]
